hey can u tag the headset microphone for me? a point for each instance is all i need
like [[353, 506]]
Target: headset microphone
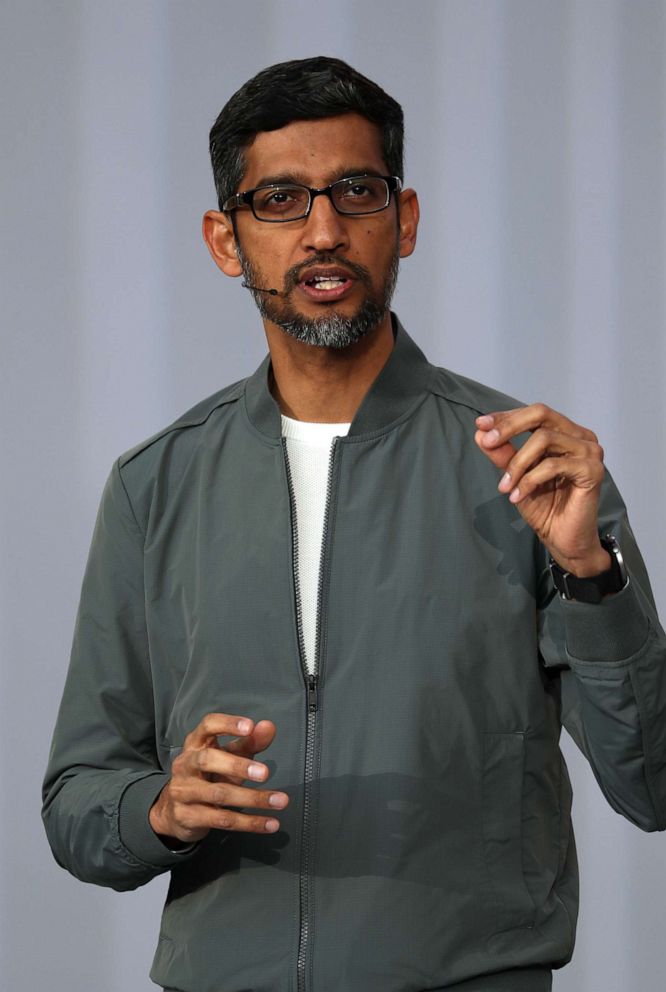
[[258, 289]]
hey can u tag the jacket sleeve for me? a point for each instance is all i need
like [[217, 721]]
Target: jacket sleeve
[[103, 773], [612, 667]]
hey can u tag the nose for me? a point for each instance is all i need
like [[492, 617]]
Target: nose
[[325, 229]]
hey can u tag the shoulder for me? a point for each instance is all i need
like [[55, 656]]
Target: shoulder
[[158, 464], [186, 427], [468, 394]]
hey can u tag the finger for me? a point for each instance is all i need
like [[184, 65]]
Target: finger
[[215, 725], [210, 761], [545, 442], [261, 737], [583, 473], [500, 457], [502, 426], [199, 791], [194, 818]]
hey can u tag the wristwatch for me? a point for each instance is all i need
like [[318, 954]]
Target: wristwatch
[[593, 588]]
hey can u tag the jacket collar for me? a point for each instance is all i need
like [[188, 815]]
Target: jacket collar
[[401, 382]]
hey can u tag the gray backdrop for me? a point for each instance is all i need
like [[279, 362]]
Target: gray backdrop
[[536, 140]]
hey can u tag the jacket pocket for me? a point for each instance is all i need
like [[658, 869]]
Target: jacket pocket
[[502, 788]]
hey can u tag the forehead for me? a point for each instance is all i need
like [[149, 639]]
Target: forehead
[[315, 152]]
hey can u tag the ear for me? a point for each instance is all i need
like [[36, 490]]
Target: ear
[[218, 233], [408, 219]]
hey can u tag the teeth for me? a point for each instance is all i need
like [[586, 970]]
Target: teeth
[[327, 283]]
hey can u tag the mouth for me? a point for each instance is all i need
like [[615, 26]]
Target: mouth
[[326, 283]]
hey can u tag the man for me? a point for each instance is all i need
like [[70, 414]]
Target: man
[[323, 655]]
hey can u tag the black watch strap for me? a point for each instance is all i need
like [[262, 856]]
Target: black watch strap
[[593, 588]]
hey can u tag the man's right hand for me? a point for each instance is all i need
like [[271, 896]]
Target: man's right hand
[[206, 781]]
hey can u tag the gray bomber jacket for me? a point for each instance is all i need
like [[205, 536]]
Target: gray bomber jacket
[[428, 839]]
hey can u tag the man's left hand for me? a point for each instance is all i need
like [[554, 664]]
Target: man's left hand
[[554, 480]]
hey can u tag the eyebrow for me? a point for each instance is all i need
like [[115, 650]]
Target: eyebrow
[[300, 179]]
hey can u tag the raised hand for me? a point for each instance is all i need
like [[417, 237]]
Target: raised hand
[[554, 479]]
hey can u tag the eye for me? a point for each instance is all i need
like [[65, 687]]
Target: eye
[[280, 201], [273, 199], [361, 194], [357, 190]]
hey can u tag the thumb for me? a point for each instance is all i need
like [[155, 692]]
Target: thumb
[[500, 457], [260, 738]]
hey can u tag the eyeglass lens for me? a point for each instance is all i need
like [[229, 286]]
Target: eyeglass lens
[[350, 196]]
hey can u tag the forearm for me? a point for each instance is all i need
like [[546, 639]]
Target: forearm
[[104, 772], [97, 825], [612, 661], [617, 656]]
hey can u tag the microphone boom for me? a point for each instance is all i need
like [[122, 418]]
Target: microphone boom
[[273, 292]]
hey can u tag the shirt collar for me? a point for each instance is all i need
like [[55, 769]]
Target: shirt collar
[[402, 381]]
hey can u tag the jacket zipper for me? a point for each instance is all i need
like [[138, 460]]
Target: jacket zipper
[[311, 680]]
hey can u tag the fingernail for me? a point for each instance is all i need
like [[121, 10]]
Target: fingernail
[[278, 799], [255, 771], [272, 826], [491, 437], [487, 420], [515, 496], [244, 726], [505, 481]]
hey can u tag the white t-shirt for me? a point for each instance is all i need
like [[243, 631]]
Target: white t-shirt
[[309, 452]]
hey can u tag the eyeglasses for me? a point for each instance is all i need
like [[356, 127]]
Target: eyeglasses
[[280, 202]]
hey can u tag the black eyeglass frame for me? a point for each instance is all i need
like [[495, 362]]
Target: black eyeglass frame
[[246, 198]]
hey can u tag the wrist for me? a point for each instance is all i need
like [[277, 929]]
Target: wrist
[[160, 830], [595, 563], [609, 575], [162, 827], [158, 824]]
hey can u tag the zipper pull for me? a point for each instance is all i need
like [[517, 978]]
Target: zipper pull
[[313, 698]]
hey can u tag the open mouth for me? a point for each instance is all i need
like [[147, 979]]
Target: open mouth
[[328, 284]]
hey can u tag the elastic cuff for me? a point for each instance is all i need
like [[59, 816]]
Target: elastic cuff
[[134, 826], [610, 631]]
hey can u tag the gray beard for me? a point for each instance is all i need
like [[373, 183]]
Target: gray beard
[[332, 329]]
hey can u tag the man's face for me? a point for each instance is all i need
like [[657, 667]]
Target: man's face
[[362, 251]]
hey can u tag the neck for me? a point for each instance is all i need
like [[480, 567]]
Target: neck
[[325, 385]]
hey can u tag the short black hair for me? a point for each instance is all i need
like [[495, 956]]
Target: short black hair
[[303, 89]]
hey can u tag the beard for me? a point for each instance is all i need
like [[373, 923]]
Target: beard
[[332, 329]]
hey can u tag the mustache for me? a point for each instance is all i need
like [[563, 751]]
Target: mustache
[[295, 274]]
